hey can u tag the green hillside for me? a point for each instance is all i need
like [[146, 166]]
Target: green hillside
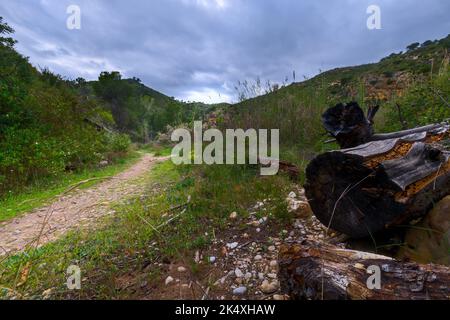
[[137, 110], [417, 80]]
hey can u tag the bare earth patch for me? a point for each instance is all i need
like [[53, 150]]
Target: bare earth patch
[[78, 208]]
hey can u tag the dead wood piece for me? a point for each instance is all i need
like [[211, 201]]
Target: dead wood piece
[[348, 124], [362, 190], [284, 166], [318, 271]]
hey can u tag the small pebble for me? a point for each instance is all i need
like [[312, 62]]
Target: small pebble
[[232, 245], [269, 287], [240, 291], [238, 273], [169, 279]]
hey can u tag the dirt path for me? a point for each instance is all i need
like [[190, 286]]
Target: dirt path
[[79, 208]]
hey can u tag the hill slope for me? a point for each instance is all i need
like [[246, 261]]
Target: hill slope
[[418, 76], [138, 110]]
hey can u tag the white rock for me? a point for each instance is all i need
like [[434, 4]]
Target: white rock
[[272, 248], [240, 291], [212, 259], [232, 245], [274, 263], [272, 275], [269, 287], [258, 230], [197, 256], [181, 269], [248, 275], [103, 163], [238, 273], [297, 224], [233, 215], [278, 297], [169, 279], [221, 280], [258, 257], [292, 195], [47, 293], [258, 205]]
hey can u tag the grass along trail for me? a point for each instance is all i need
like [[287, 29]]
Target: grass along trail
[[75, 208]]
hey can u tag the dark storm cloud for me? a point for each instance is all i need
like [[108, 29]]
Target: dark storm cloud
[[198, 49]]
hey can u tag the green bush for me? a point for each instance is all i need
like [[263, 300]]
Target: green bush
[[45, 123], [118, 142], [425, 102]]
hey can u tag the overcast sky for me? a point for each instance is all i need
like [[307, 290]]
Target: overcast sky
[[199, 49]]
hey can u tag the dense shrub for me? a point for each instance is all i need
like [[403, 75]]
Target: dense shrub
[[43, 123], [118, 142], [426, 101]]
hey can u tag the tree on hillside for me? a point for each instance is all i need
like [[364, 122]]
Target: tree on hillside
[[5, 29], [426, 43], [43, 128], [413, 46], [117, 94], [147, 104]]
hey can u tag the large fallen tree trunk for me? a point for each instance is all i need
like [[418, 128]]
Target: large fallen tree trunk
[[321, 271], [361, 190]]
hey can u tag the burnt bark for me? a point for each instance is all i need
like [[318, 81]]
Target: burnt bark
[[362, 190], [318, 271], [348, 124]]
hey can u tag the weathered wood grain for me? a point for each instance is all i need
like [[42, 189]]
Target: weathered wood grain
[[316, 270], [361, 190]]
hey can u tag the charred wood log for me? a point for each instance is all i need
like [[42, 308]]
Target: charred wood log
[[362, 190], [350, 128], [348, 124], [317, 271]]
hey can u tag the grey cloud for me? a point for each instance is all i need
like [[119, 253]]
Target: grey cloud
[[198, 48]]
